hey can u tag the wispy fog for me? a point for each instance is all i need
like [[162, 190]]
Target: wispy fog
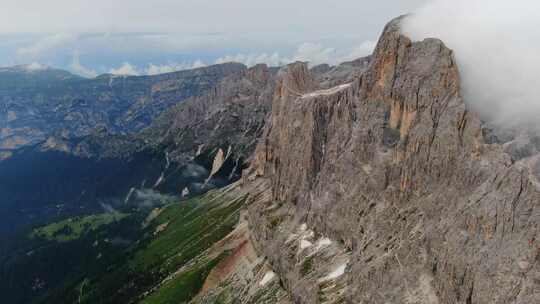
[[147, 198], [497, 47]]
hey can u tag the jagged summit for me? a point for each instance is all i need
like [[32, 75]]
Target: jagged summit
[[395, 169]]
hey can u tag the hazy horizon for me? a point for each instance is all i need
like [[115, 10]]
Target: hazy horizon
[[123, 37]]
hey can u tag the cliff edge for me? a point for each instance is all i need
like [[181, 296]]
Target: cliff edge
[[383, 189]]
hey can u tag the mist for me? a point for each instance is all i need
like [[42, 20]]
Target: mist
[[497, 48]]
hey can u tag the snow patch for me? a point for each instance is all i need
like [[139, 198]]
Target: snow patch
[[291, 238], [305, 244], [128, 196], [327, 92], [269, 276], [160, 179], [338, 272], [303, 227], [168, 160], [324, 242]]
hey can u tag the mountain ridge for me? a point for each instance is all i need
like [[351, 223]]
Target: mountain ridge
[[31, 111], [391, 176], [368, 182]]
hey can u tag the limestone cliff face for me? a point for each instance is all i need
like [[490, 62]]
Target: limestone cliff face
[[393, 171], [230, 117]]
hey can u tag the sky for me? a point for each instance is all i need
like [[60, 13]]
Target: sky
[[91, 37]]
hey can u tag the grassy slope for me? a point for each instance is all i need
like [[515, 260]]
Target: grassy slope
[[185, 285], [37, 266], [73, 228], [192, 227]]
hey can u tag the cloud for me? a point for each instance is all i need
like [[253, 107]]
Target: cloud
[[273, 59], [126, 69], [45, 45], [154, 69], [77, 68], [314, 53], [364, 49], [35, 66], [496, 49], [164, 31], [149, 198], [232, 16]]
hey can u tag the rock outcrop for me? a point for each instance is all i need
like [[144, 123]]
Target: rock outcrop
[[394, 171], [231, 117]]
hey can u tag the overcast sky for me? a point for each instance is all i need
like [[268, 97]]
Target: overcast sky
[[141, 36]]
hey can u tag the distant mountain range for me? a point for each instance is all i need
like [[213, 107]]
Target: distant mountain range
[[35, 102]]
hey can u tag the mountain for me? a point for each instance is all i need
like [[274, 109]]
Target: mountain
[[368, 182], [36, 102], [75, 166], [385, 189]]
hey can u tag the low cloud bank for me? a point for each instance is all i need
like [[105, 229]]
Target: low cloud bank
[[314, 53], [497, 47]]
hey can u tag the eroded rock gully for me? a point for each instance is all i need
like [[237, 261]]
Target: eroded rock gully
[[384, 190]]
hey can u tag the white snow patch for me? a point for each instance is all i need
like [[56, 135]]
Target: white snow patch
[[160, 179], [309, 234], [327, 92], [303, 227], [269, 276], [168, 160], [305, 244], [291, 238], [336, 273], [323, 243], [128, 196]]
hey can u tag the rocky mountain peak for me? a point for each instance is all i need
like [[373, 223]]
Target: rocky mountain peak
[[295, 79], [393, 167], [259, 74]]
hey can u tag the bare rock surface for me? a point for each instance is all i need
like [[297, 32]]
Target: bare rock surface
[[230, 117], [395, 170]]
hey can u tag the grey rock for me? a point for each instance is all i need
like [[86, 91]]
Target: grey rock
[[395, 168]]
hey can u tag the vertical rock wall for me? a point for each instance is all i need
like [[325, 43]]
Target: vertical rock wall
[[393, 169]]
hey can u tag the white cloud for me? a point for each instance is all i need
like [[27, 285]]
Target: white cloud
[[35, 66], [496, 48], [44, 45], [252, 59], [154, 69], [186, 16], [77, 68], [364, 49], [314, 53], [126, 69], [163, 31]]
